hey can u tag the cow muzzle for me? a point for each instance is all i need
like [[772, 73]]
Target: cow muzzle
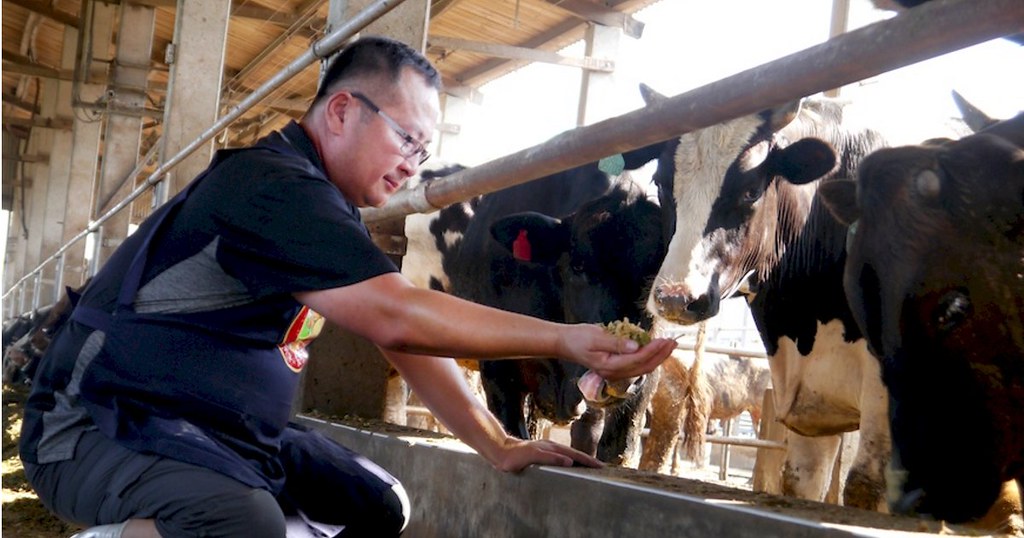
[[674, 302], [600, 392]]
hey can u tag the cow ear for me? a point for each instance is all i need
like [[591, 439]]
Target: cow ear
[[840, 197], [531, 237], [804, 161]]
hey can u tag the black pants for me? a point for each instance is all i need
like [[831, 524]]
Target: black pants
[[107, 483]]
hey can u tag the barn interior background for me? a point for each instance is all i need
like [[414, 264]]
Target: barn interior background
[[514, 66], [517, 63], [87, 106]]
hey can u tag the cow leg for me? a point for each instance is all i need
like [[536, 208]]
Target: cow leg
[[808, 466], [865, 485], [623, 426], [667, 407], [586, 430], [505, 396]]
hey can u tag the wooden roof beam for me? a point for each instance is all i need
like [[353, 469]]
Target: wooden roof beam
[[437, 7], [519, 53], [486, 71], [63, 124], [603, 15], [48, 11], [31, 159], [238, 9], [14, 62], [457, 89], [15, 101]]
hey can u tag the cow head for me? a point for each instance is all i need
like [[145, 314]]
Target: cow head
[[730, 220], [933, 277], [606, 254]]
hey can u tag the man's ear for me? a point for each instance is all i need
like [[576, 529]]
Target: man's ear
[[336, 110]]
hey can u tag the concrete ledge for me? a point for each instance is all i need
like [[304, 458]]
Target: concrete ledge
[[456, 493]]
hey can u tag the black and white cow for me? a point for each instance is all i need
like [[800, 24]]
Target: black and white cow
[[903, 5], [17, 338], [22, 356], [743, 227], [934, 277], [464, 259], [606, 255]]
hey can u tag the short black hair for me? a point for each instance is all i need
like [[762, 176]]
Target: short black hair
[[376, 56]]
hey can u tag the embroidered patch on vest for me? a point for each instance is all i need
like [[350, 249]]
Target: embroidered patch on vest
[[304, 328]]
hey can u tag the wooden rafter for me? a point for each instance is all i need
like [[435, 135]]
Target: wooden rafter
[[48, 11], [601, 14]]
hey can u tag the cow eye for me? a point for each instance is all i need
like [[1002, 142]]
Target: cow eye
[[928, 184], [751, 195], [953, 309]]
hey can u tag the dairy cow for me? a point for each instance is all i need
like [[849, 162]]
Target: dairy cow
[[903, 5], [605, 255], [469, 263], [934, 277], [743, 226], [22, 356], [735, 385]]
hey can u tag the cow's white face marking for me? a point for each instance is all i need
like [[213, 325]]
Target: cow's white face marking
[[701, 163]]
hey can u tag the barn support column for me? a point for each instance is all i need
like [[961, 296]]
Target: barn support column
[[14, 260], [597, 87], [57, 199], [347, 374], [123, 131], [193, 94], [839, 24], [450, 142], [85, 150], [40, 143]]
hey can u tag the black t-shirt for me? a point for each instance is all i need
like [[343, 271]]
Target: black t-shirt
[[282, 225]]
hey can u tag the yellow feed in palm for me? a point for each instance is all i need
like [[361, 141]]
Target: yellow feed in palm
[[625, 329]]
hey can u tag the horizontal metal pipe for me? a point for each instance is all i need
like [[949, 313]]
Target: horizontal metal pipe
[[923, 32], [745, 441]]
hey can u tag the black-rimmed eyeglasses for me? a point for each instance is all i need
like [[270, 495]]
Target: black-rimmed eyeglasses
[[410, 146]]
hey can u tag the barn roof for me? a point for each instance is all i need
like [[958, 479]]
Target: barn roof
[[470, 41]]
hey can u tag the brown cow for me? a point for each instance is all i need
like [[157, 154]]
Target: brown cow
[[934, 278], [736, 385]]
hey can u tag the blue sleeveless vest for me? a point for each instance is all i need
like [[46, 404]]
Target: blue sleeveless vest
[[213, 389]]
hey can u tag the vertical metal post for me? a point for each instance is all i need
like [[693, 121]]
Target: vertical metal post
[[58, 279], [97, 250], [21, 297], [723, 463], [37, 286], [840, 23]]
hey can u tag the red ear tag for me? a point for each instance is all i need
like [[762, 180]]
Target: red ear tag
[[521, 247]]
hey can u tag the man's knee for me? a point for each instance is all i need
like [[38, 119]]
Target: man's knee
[[389, 518], [254, 513], [396, 507]]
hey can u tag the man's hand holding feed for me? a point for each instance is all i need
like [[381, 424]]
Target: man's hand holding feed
[[613, 357]]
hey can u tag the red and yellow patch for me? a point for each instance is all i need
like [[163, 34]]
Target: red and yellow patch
[[304, 328]]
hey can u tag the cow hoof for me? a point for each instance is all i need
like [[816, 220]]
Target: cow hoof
[[864, 492]]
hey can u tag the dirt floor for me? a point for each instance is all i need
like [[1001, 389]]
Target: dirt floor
[[23, 515]]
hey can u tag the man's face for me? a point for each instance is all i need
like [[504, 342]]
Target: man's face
[[364, 155]]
